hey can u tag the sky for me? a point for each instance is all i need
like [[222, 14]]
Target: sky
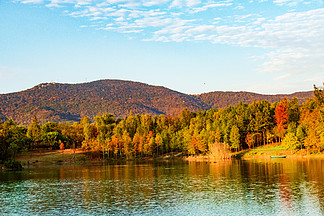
[[191, 46]]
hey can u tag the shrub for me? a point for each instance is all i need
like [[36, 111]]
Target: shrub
[[13, 164]]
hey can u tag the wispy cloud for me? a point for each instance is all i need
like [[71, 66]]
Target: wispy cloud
[[211, 5], [294, 40], [32, 1], [295, 2], [283, 76]]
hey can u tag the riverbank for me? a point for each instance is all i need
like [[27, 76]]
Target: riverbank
[[262, 152], [266, 151], [67, 156], [78, 156]]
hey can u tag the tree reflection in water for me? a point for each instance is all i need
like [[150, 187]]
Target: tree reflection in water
[[233, 187]]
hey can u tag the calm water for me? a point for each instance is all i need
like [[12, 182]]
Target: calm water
[[264, 187]]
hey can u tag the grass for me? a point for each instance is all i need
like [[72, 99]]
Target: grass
[[271, 147], [38, 157], [58, 156], [276, 150], [267, 151]]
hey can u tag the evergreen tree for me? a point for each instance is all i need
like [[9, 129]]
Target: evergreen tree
[[34, 132], [235, 137]]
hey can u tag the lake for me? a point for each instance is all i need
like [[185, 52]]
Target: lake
[[236, 187]]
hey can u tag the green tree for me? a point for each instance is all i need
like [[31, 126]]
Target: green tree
[[260, 120], [235, 137], [50, 127], [292, 127], [34, 132], [52, 139], [13, 140], [301, 133], [293, 111]]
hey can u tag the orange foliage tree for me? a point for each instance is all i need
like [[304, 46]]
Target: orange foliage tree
[[281, 117]]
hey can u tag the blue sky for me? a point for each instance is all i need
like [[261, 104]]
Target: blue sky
[[192, 46]]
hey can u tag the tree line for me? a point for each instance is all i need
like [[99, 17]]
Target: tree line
[[297, 126]]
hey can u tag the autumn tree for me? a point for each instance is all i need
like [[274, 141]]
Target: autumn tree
[[281, 117], [127, 145], [158, 143], [149, 143], [190, 132], [249, 140], [319, 94], [291, 141], [313, 122], [73, 133], [185, 118]]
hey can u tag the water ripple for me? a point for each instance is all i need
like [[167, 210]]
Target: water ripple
[[157, 189]]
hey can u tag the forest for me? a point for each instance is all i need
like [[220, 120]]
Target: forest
[[244, 126], [59, 102]]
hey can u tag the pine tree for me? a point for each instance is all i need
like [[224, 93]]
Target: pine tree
[[235, 137]]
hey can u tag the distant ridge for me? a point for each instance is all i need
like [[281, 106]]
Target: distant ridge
[[219, 99], [69, 102]]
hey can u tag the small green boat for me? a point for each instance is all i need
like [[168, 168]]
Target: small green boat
[[282, 156]]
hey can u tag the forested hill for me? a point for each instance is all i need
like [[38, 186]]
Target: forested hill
[[221, 99], [68, 102]]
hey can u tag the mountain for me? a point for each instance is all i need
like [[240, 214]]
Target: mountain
[[220, 99], [69, 102]]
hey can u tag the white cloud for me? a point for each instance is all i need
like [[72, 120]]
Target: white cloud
[[287, 2], [239, 7], [191, 3], [32, 1], [295, 39], [183, 3], [200, 29], [283, 76], [292, 3], [299, 61], [210, 5], [176, 3], [153, 21], [154, 2]]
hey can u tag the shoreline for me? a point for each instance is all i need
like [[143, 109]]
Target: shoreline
[[81, 157]]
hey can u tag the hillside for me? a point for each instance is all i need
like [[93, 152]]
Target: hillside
[[69, 102], [220, 99]]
